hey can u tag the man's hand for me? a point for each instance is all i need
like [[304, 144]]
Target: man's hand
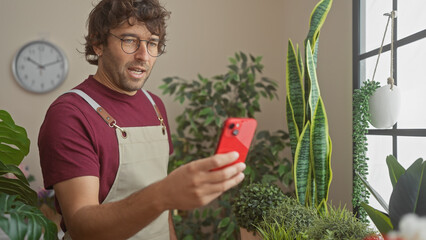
[[194, 184]]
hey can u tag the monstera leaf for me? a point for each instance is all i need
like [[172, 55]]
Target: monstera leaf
[[22, 221], [14, 143]]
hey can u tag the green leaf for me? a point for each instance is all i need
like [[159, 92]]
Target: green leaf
[[294, 86], [24, 221], [314, 93], [14, 143], [292, 127], [395, 169], [379, 219], [224, 222], [318, 16], [302, 167], [374, 192], [320, 144], [409, 193]]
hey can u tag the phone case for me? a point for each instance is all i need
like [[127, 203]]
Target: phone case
[[237, 134]]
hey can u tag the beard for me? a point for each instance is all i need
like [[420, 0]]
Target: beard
[[118, 73]]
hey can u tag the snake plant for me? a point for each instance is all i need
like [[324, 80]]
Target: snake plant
[[306, 117]]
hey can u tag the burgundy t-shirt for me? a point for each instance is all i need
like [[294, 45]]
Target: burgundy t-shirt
[[75, 141]]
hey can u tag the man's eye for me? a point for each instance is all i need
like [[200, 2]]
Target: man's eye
[[129, 41], [153, 44]]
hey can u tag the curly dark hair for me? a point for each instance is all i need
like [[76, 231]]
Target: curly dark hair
[[109, 14]]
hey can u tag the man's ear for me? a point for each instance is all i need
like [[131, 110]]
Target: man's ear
[[98, 49]]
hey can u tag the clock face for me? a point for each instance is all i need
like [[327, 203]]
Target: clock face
[[40, 67]]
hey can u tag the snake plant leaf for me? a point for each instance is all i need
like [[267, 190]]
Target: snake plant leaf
[[292, 127], [320, 152], [380, 219], [314, 93], [302, 167], [300, 60], [318, 16], [14, 143], [395, 169], [409, 193], [294, 85], [21, 221]]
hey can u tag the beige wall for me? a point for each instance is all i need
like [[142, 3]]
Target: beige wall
[[202, 35]]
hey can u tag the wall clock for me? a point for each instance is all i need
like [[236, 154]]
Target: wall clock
[[40, 66]]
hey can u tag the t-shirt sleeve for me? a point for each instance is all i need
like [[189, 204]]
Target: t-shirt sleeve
[[65, 146]]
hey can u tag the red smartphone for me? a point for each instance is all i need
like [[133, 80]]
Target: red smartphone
[[237, 134]]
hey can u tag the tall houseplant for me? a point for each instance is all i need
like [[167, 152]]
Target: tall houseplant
[[19, 216], [307, 119], [209, 102]]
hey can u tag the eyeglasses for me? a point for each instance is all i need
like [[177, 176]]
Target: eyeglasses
[[130, 45]]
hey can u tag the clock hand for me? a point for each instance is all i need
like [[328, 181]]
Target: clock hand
[[36, 63], [51, 63]]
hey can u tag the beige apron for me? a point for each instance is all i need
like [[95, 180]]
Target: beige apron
[[144, 155]]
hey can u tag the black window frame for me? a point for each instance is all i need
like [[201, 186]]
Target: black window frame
[[358, 21]]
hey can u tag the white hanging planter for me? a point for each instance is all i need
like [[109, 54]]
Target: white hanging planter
[[385, 105]]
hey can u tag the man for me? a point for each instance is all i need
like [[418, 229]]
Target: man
[[104, 146]]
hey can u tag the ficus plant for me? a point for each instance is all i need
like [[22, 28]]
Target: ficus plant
[[209, 101], [306, 117], [361, 118], [19, 216]]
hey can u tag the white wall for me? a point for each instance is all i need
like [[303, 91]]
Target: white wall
[[202, 35]]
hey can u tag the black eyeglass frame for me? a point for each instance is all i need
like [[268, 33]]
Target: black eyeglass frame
[[160, 51]]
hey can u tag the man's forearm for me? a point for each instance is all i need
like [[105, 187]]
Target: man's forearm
[[117, 220]]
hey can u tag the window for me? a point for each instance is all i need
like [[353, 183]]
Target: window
[[406, 140]]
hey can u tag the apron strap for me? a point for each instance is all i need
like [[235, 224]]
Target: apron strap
[[108, 118], [157, 111]]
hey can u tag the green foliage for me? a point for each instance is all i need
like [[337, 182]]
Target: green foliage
[[408, 195], [306, 117], [14, 143], [274, 231], [290, 214], [209, 101], [338, 224], [361, 117], [21, 221], [19, 216], [254, 203]]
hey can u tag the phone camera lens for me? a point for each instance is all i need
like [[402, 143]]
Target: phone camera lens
[[235, 132], [231, 126]]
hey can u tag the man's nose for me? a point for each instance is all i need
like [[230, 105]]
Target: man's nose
[[142, 52]]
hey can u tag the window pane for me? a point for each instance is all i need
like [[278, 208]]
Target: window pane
[[410, 149], [411, 17], [374, 26], [379, 147], [412, 84], [383, 68]]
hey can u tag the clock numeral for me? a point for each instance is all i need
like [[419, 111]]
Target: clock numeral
[[41, 48]]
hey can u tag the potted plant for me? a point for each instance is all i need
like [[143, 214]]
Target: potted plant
[[253, 203], [19, 216], [209, 101], [306, 117], [408, 195]]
